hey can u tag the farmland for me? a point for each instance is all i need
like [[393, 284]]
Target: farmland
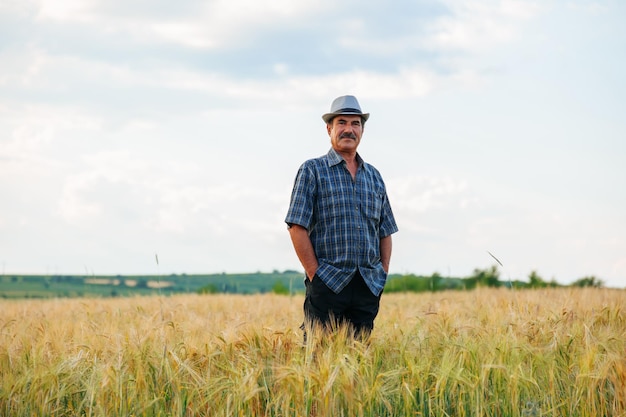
[[286, 282], [485, 352], [69, 286]]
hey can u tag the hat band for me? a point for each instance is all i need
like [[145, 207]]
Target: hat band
[[348, 110]]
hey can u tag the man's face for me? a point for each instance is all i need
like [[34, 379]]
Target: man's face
[[345, 132]]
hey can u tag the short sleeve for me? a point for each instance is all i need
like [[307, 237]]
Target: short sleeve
[[302, 197], [388, 224]]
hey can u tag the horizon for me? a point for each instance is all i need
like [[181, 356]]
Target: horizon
[[502, 278]]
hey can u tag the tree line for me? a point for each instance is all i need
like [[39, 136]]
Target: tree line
[[489, 277], [287, 282]]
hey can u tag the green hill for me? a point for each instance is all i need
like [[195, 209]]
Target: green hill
[[44, 286]]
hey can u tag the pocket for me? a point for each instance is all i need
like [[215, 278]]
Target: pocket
[[330, 203], [309, 284], [318, 286], [374, 205]]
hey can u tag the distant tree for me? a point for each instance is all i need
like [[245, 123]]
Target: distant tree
[[590, 281], [435, 280], [535, 281], [208, 289], [469, 283], [408, 283], [486, 277], [280, 288]]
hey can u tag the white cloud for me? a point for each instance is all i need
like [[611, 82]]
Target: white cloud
[[407, 82], [77, 77], [72, 207], [127, 191], [206, 25], [34, 70], [22, 68], [418, 194], [224, 22], [589, 6], [479, 25], [67, 10], [33, 135], [83, 77]]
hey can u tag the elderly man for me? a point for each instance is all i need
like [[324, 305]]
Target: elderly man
[[340, 222]]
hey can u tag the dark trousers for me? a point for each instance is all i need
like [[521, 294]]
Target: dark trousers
[[355, 306]]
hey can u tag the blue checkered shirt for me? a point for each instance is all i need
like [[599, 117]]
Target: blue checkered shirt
[[345, 219]]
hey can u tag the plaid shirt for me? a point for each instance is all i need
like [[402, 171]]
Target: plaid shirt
[[345, 219]]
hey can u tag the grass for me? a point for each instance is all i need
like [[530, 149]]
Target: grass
[[558, 352]]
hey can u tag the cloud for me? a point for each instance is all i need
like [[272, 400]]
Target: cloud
[[473, 26], [589, 6], [214, 24], [66, 10], [226, 23], [122, 188], [419, 194], [35, 136], [113, 65], [74, 81]]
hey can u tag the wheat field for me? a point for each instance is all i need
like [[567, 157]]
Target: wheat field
[[557, 352]]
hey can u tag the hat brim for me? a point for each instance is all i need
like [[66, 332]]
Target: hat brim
[[329, 116]]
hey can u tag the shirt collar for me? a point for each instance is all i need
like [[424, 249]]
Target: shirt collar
[[334, 158]]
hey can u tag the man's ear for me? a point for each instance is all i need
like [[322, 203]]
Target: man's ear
[[329, 127]]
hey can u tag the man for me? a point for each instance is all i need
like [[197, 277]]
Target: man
[[340, 222]]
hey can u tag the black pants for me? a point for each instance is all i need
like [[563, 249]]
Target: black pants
[[355, 305]]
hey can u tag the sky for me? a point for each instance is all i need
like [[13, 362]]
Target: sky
[[137, 130]]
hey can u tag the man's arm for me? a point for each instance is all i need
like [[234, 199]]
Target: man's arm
[[385, 252], [304, 249]]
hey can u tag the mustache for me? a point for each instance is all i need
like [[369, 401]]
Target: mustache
[[347, 135]]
